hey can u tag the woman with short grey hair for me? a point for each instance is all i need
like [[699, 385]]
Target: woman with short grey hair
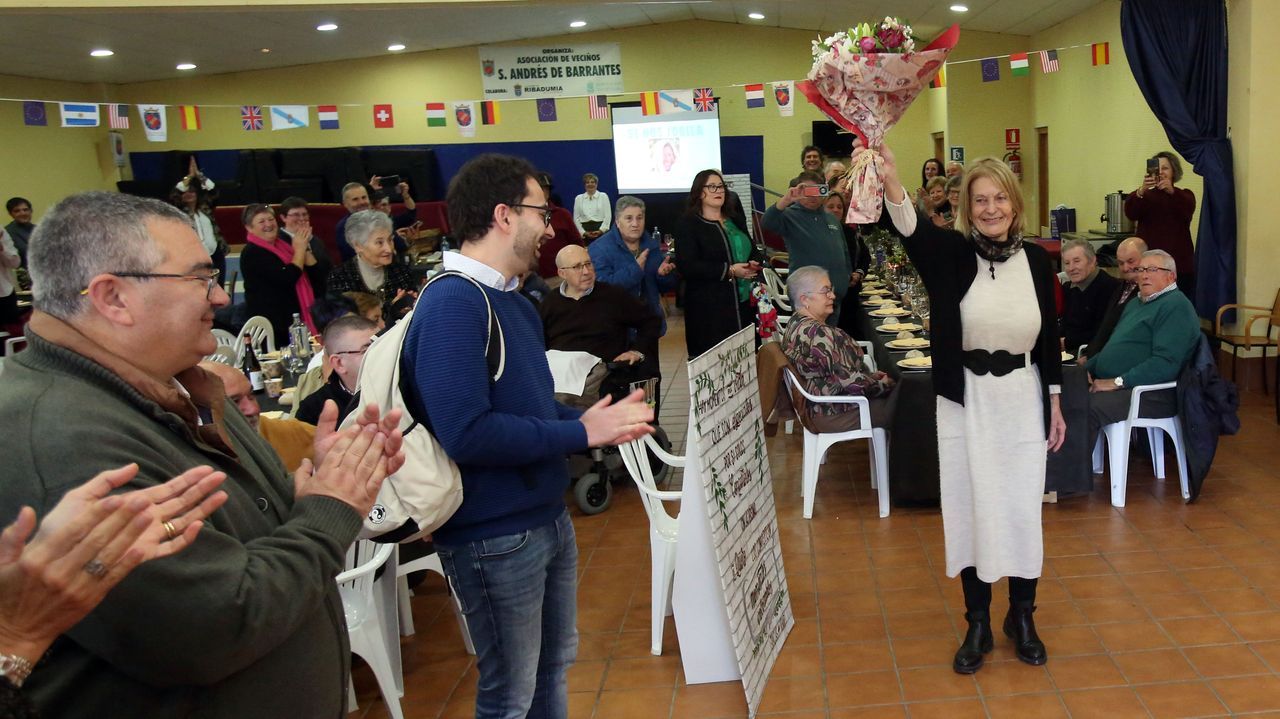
[[374, 268]]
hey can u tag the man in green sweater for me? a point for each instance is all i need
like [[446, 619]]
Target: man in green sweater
[[813, 235], [247, 622], [1153, 339]]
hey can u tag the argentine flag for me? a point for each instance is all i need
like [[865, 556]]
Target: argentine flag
[[79, 114]]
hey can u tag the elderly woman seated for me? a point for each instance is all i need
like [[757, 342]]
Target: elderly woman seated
[[828, 360], [374, 269]]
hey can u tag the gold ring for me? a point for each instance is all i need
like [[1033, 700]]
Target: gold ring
[[170, 531]]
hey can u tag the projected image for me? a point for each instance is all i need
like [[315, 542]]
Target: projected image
[[662, 153]]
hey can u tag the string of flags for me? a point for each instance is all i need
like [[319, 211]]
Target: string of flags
[[466, 114]]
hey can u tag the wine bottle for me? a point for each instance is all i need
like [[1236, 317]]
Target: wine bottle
[[252, 368]]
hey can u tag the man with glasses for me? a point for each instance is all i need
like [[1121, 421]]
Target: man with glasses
[[814, 236], [1152, 341], [509, 551], [346, 339], [600, 319], [248, 620]]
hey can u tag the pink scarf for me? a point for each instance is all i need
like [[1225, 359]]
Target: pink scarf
[[306, 295]]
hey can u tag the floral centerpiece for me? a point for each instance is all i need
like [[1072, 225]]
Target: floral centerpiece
[[864, 79]]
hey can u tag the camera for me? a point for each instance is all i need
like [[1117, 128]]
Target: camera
[[815, 190]]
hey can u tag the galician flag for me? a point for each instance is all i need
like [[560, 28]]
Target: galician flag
[[675, 101], [435, 114], [290, 117], [1018, 66]]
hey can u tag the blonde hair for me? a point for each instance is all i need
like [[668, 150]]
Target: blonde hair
[[999, 173]]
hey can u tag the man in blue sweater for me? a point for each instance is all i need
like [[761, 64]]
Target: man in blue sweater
[[509, 551]]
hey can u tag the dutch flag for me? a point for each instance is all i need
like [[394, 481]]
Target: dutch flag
[[328, 115], [79, 114]]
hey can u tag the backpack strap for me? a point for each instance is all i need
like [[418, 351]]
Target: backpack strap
[[495, 353]]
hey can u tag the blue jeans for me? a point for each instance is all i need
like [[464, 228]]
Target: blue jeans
[[519, 594]]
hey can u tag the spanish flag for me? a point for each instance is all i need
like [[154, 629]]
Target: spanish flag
[[190, 116], [649, 103], [1101, 53], [489, 112]]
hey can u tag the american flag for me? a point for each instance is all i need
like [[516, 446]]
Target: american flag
[[1048, 61], [251, 117], [704, 99], [598, 107], [118, 117]]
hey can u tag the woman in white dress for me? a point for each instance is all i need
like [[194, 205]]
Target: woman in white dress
[[997, 371]]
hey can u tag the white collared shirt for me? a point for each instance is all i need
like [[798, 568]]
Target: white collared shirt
[[479, 271], [592, 208], [563, 285], [1172, 286]]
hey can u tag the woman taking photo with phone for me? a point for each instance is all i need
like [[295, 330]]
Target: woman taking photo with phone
[[718, 262], [997, 373], [1163, 212]]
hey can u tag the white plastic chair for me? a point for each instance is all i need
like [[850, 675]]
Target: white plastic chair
[[13, 344], [370, 612], [869, 353], [429, 562], [663, 529], [261, 333], [817, 444], [223, 355], [1118, 435]]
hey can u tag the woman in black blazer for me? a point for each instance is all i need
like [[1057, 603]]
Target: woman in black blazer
[[997, 372], [718, 261]]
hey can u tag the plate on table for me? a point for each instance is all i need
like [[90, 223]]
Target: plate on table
[[881, 301], [914, 343], [916, 363], [890, 312], [1068, 357], [896, 327], [874, 291], [871, 278]]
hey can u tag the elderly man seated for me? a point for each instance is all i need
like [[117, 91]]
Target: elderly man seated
[[345, 339], [1129, 254], [604, 320], [828, 360], [1154, 338], [291, 439], [1089, 292]]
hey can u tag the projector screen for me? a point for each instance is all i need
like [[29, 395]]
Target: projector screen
[[662, 153]]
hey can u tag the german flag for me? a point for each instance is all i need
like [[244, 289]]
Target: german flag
[[939, 80], [649, 103], [1101, 53], [489, 114]]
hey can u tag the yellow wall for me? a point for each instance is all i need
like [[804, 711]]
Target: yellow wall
[[44, 164]]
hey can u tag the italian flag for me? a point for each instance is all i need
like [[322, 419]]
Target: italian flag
[[1018, 64], [435, 114]]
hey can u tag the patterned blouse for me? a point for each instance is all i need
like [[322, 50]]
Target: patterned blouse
[[830, 362]]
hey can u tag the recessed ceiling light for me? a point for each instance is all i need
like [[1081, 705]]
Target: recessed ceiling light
[[186, 66], [327, 27], [959, 8], [756, 15], [265, 50], [395, 48], [578, 23], [103, 52]]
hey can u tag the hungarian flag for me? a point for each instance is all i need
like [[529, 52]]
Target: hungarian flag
[[1018, 65], [649, 103], [489, 114], [382, 117], [1101, 53], [190, 116], [755, 95], [939, 80], [435, 114]]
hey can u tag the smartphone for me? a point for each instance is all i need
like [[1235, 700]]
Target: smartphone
[[1153, 167], [815, 190], [389, 182]]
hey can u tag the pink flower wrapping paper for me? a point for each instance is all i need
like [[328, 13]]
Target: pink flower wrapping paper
[[867, 94]]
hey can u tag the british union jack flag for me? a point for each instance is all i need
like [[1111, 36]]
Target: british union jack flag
[[251, 117], [704, 99]]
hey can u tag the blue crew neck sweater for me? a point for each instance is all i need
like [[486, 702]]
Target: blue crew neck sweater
[[510, 437]]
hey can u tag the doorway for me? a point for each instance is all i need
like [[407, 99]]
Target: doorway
[[939, 146], [1042, 173]]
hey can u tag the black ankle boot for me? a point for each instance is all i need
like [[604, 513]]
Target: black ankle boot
[[1021, 628], [977, 642]]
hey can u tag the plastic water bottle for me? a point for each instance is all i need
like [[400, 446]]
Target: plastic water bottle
[[656, 235]]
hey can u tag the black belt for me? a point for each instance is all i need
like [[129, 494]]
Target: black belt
[[998, 363]]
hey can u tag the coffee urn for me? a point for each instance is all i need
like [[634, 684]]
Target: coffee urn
[[1117, 222]]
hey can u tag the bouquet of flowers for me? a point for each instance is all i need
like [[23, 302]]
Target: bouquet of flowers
[[864, 79]]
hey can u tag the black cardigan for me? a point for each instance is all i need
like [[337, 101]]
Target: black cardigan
[[945, 260], [269, 288], [711, 297]]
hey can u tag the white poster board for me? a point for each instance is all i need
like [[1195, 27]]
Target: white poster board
[[731, 604], [528, 72]]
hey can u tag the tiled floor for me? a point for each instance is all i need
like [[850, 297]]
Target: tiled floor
[[1157, 610]]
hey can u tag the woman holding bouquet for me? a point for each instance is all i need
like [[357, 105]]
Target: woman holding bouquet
[[997, 372]]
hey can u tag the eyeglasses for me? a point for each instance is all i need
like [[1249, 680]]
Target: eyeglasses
[[579, 267], [360, 351], [714, 187], [1149, 270], [823, 291], [210, 280], [546, 212]]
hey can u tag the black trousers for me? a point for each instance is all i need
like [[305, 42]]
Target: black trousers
[[977, 593]]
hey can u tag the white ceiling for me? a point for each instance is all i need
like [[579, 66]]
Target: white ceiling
[[149, 42]]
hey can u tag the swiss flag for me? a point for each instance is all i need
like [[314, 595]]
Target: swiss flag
[[382, 116]]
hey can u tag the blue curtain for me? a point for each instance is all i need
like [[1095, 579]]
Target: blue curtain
[[1177, 51]]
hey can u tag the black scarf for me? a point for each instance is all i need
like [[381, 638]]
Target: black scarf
[[992, 251]]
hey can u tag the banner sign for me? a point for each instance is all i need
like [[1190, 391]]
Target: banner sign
[[550, 71]]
